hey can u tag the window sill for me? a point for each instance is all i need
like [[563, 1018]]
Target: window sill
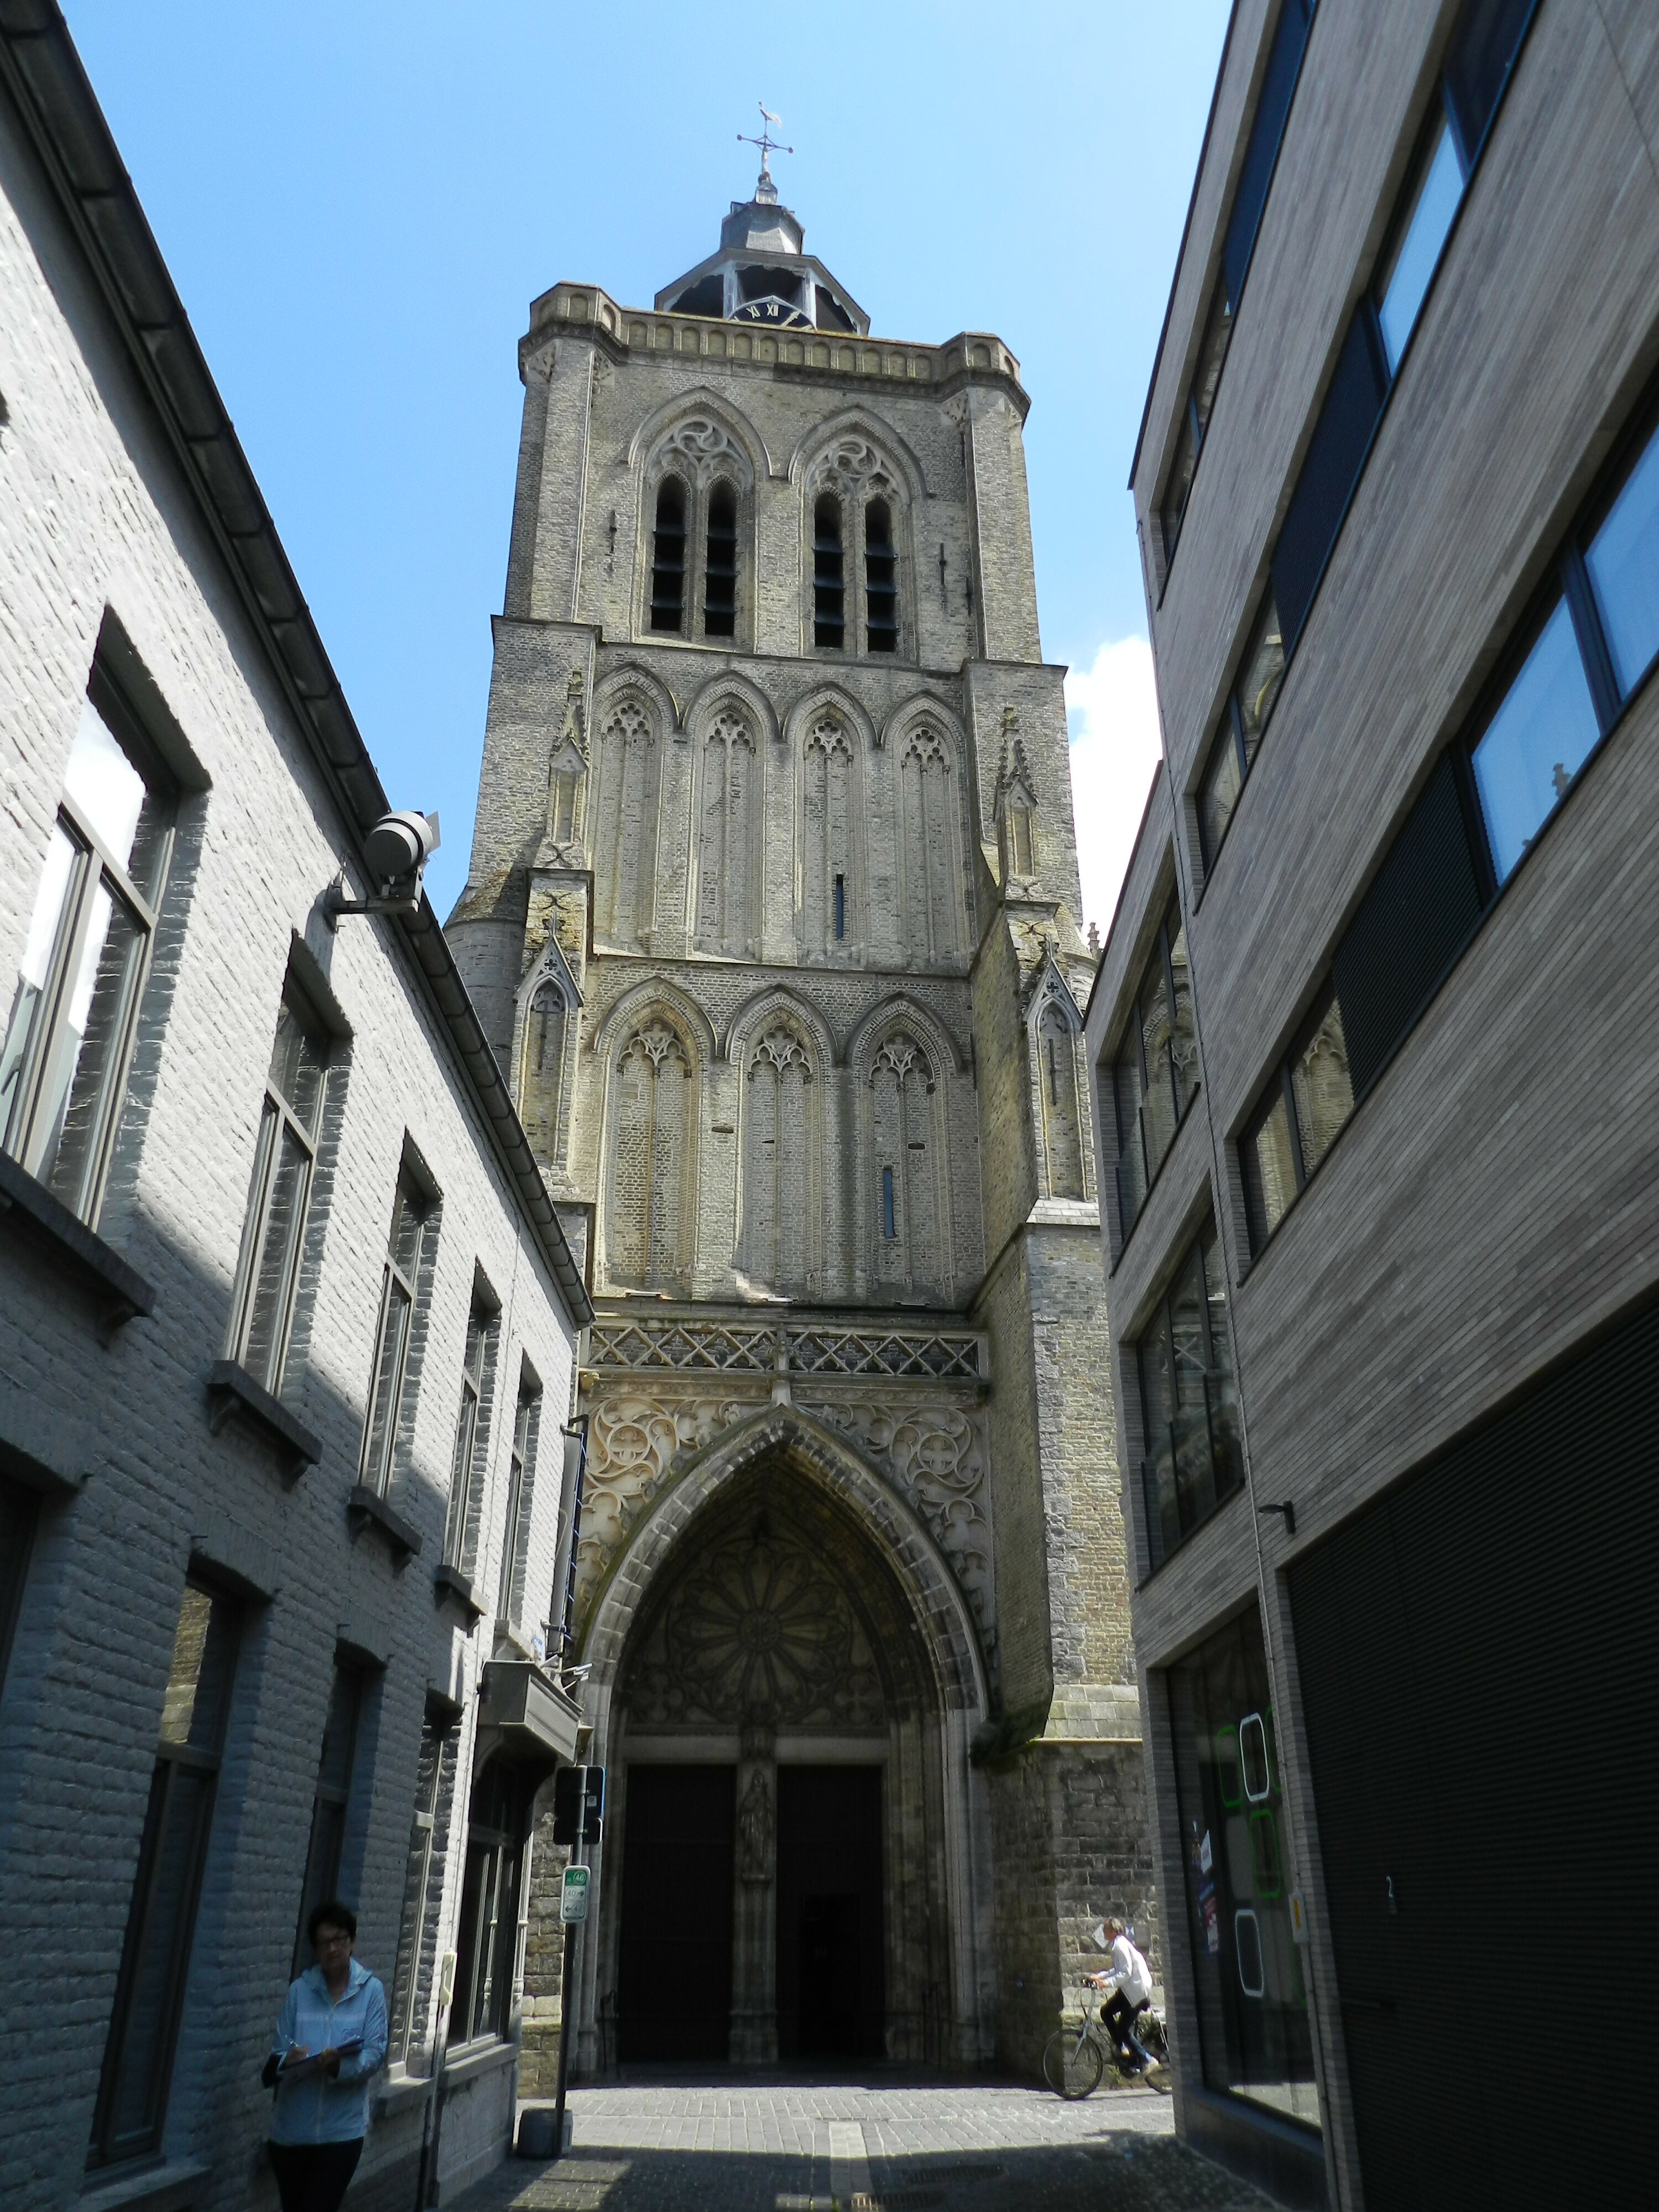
[[41, 1447], [399, 2091], [232, 1391], [367, 1509], [476, 2062], [450, 1583], [120, 1292], [1238, 1490], [174, 2187]]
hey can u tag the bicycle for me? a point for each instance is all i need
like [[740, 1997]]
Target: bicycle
[[1073, 2064]]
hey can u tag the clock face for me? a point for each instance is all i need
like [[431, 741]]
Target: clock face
[[782, 315]]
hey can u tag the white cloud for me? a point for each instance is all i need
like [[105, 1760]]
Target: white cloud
[[1111, 710]]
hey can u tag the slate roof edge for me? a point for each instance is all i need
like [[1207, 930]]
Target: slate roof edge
[[42, 71]]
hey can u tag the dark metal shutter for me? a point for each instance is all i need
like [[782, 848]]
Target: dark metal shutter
[[1477, 1655], [1410, 926], [1336, 453]]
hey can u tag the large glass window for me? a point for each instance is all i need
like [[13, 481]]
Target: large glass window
[[284, 1165], [1307, 1099], [1155, 1070], [1189, 1414], [880, 579], [399, 1284], [488, 1943], [75, 1011], [1238, 246], [1252, 1999], [149, 1991], [1249, 703], [331, 1799]]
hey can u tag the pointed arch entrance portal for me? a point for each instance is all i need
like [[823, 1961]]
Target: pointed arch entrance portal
[[784, 1682]]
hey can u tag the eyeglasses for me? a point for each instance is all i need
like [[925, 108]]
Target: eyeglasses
[[330, 1939]]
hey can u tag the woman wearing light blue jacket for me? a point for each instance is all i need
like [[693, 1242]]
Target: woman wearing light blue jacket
[[330, 2042]]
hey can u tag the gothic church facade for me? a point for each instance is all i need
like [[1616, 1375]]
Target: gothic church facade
[[772, 920]]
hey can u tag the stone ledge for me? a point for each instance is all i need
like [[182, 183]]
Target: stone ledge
[[174, 2187], [119, 1292], [233, 1391], [41, 1446], [367, 1509], [450, 1585]]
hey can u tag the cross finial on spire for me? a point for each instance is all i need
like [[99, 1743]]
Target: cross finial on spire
[[765, 190]]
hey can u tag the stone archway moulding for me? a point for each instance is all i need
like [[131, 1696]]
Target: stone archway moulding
[[924, 1573]]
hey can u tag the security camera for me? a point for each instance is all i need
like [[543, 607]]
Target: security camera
[[396, 852]]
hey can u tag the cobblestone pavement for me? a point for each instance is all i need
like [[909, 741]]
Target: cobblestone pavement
[[909, 2146]]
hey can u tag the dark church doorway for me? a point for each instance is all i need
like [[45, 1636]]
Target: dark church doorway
[[674, 1993], [831, 1993]]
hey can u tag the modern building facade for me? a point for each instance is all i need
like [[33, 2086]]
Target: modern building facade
[[772, 919], [1377, 1051], [288, 1323]]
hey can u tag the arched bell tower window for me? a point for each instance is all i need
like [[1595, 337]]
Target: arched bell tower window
[[668, 558], [720, 585], [880, 578], [829, 580]]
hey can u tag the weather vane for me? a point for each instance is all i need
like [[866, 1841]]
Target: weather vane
[[765, 189]]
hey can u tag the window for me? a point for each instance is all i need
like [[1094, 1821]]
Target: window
[[1238, 244], [399, 1285], [149, 1990], [541, 1089], [1307, 1101], [472, 1427], [1155, 1070], [1019, 856], [668, 558], [720, 582], [889, 1223], [1252, 2002], [1590, 645], [1187, 1408], [520, 1473], [64, 1064], [284, 1167], [1480, 56], [881, 577], [434, 1778], [1249, 703], [487, 1945], [829, 588], [330, 1797]]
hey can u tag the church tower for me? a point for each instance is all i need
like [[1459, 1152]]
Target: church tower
[[772, 920]]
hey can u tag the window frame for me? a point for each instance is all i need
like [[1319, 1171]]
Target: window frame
[[331, 1798], [1159, 1319], [277, 1116], [1193, 422], [92, 867], [171, 1758], [413, 1188], [472, 1425], [520, 1482], [1132, 1031], [655, 566], [495, 1845]]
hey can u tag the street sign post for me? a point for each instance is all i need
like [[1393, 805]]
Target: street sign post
[[573, 1895]]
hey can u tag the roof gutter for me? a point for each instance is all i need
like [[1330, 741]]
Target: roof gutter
[[43, 74]]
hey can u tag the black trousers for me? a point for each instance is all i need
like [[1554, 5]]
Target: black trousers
[[313, 2177], [1117, 2015]]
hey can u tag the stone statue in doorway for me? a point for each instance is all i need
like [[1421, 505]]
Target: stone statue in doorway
[[755, 1826]]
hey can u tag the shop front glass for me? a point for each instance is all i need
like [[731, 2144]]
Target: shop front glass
[[1252, 1999]]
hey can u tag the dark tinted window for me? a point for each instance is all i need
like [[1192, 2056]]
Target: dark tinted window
[[1347, 421], [668, 557], [1483, 50], [1278, 88]]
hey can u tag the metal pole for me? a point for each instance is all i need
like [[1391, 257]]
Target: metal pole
[[566, 1993]]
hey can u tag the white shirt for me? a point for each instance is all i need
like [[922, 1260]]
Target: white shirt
[[1129, 1972]]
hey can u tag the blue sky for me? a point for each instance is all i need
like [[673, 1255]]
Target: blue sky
[[359, 201]]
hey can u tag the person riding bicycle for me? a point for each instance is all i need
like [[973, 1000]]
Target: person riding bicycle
[[1129, 1978]]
